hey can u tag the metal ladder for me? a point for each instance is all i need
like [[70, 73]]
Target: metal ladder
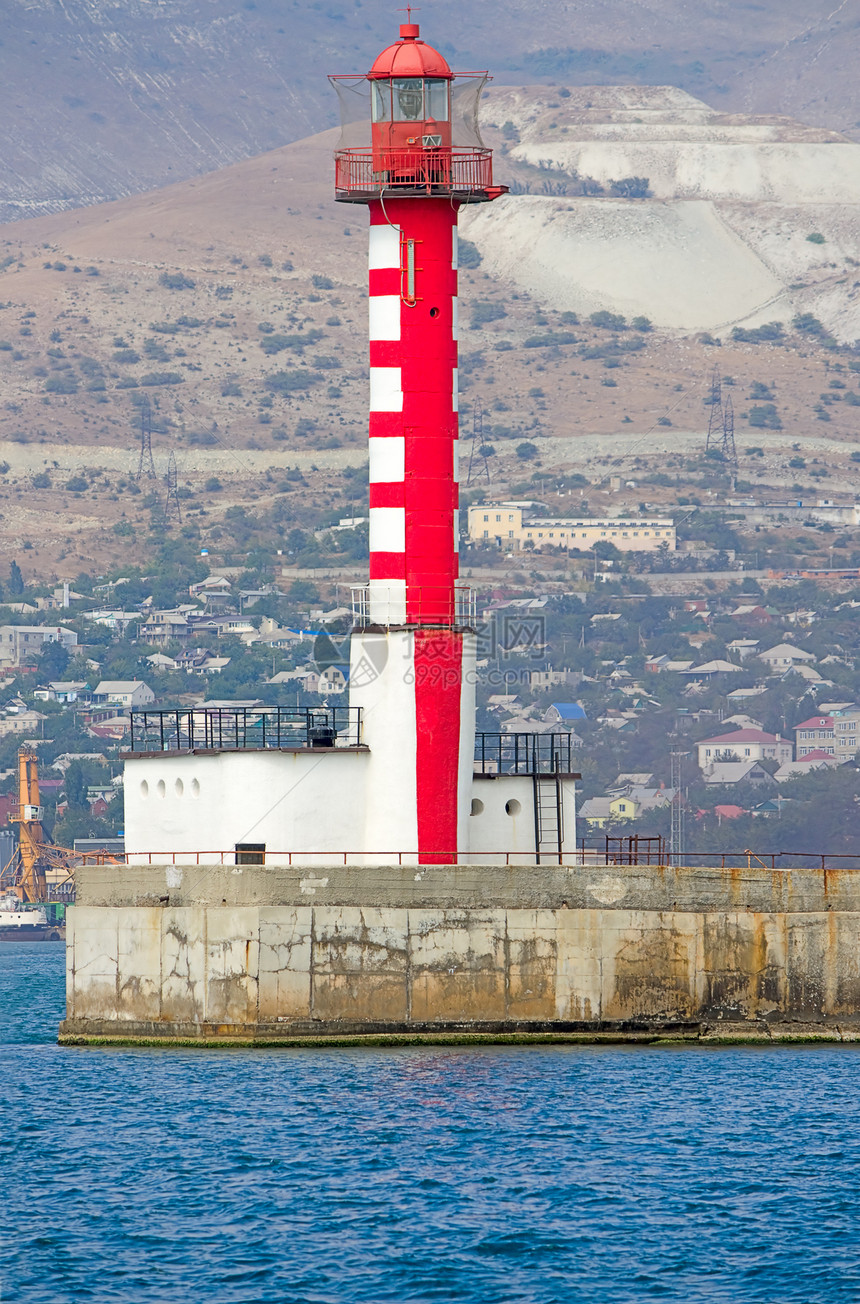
[[549, 817]]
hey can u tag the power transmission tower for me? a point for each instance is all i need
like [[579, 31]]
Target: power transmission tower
[[477, 441], [171, 502], [715, 418], [730, 453], [678, 810], [721, 423], [145, 465]]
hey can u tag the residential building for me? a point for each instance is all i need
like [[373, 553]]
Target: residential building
[[710, 668], [541, 680], [127, 693], [730, 772], [743, 745], [783, 656], [21, 644], [743, 647], [816, 760], [65, 690], [846, 732], [564, 713], [815, 734], [504, 524], [333, 680], [752, 613], [165, 627], [24, 720]]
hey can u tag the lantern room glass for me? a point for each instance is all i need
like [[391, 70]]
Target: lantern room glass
[[410, 99]]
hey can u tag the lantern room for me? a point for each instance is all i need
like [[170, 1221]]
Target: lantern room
[[410, 100], [409, 126]]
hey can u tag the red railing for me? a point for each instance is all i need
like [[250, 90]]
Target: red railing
[[363, 172], [585, 856]]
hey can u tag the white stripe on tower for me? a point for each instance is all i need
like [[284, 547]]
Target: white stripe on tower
[[384, 315], [386, 392], [387, 588], [388, 460], [384, 248]]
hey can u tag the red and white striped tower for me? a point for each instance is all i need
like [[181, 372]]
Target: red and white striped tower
[[412, 663]]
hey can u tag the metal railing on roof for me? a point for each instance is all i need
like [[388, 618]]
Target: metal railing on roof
[[257, 728], [524, 753]]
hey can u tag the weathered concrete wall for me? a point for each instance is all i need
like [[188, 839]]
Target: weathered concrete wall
[[274, 953]]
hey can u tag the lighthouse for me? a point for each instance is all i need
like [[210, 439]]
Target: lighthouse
[[399, 776], [413, 661]]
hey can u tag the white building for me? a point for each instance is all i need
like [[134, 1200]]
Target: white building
[[124, 692], [504, 524], [784, 656], [743, 745]]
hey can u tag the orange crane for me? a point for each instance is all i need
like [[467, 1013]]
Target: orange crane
[[27, 872], [31, 882]]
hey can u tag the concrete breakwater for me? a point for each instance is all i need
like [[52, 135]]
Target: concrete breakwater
[[227, 954]]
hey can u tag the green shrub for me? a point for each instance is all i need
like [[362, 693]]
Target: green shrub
[[162, 378], [77, 484], [484, 312], [176, 281], [816, 238], [610, 321], [64, 384], [527, 451], [288, 382], [765, 415], [468, 254], [771, 333]]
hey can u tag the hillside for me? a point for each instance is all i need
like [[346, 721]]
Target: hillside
[[100, 100], [233, 305]]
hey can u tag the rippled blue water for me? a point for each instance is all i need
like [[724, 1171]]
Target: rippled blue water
[[484, 1176]]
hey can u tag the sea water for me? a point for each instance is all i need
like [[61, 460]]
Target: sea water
[[481, 1175]]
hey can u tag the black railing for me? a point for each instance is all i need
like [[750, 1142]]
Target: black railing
[[246, 728], [523, 753]]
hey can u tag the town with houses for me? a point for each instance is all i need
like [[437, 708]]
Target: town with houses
[[728, 717]]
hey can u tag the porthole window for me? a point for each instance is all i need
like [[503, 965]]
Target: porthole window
[[195, 788], [144, 789], [477, 806], [160, 788], [179, 787], [512, 807]]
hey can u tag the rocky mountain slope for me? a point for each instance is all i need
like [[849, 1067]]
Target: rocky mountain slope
[[101, 99], [231, 307], [723, 237]]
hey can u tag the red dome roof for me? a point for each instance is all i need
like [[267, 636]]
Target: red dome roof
[[409, 57]]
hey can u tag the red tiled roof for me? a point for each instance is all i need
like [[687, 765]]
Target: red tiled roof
[[742, 736], [816, 722], [729, 812]]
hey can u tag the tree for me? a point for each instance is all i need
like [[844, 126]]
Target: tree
[[76, 786], [16, 580], [527, 452], [53, 660]]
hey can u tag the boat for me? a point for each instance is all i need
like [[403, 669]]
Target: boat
[[26, 923]]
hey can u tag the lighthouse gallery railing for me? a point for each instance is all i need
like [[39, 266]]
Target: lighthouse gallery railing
[[220, 729]]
